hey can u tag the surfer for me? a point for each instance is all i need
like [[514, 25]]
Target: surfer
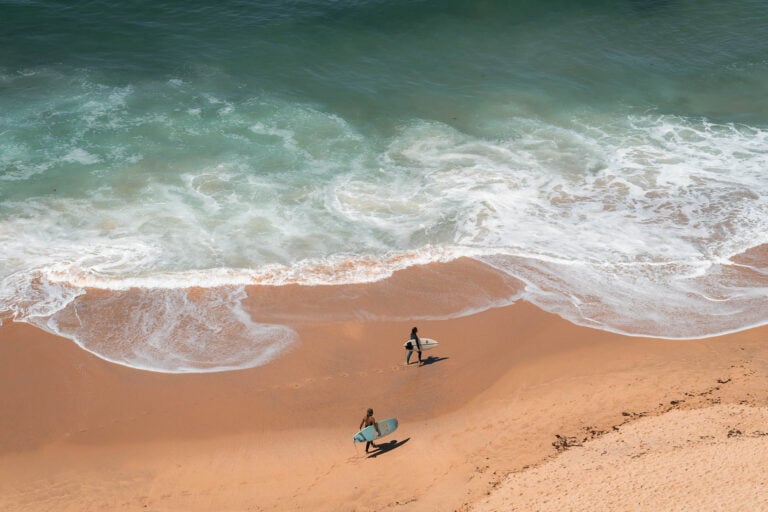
[[415, 344], [367, 422]]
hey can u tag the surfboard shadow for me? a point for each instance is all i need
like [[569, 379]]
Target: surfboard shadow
[[432, 360], [381, 449]]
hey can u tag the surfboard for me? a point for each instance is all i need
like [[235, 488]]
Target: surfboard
[[426, 343], [369, 433]]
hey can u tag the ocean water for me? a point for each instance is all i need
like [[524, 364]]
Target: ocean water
[[158, 157]]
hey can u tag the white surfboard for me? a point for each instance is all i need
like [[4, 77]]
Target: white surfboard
[[369, 433], [426, 343]]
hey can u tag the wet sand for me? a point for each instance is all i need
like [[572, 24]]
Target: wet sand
[[479, 422]]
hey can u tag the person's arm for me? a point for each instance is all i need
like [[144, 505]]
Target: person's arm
[[376, 426]]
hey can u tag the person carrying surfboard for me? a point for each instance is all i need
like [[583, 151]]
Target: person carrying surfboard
[[415, 344], [369, 420]]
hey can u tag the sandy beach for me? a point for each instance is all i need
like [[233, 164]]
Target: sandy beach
[[220, 221], [517, 409]]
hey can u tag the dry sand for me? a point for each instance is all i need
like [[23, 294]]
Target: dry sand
[[708, 459], [477, 423]]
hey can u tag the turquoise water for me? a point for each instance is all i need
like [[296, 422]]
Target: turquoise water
[[604, 153]]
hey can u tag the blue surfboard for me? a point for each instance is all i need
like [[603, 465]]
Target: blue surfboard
[[369, 433]]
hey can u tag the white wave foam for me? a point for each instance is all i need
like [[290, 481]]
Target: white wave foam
[[335, 270], [81, 156], [171, 330], [594, 216], [624, 228], [32, 295]]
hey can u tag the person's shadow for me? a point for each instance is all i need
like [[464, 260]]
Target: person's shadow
[[381, 449], [432, 360]]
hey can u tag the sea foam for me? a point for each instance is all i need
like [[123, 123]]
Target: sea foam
[[625, 224]]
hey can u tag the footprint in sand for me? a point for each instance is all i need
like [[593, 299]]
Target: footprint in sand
[[300, 384]]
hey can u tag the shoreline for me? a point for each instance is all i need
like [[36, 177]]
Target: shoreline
[[279, 436], [435, 292]]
